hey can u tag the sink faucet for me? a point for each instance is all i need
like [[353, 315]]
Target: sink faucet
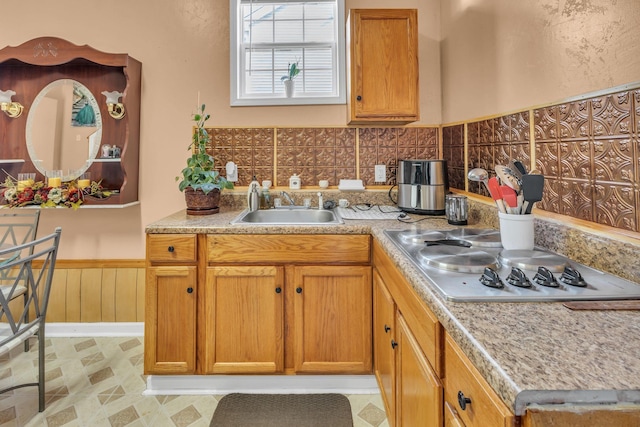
[[288, 198]]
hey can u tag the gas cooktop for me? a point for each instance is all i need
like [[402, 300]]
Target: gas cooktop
[[468, 264]]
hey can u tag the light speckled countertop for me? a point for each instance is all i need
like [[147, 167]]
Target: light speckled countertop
[[528, 352]]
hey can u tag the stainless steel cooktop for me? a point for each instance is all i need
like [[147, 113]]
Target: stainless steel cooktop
[[469, 264]]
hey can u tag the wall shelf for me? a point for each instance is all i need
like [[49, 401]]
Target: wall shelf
[[30, 67]]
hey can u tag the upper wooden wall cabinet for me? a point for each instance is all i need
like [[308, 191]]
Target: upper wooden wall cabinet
[[383, 62], [40, 68]]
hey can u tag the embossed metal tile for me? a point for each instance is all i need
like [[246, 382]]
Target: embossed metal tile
[[316, 154], [250, 148], [385, 146], [453, 153]]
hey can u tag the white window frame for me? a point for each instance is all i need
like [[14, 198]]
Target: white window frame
[[237, 64]]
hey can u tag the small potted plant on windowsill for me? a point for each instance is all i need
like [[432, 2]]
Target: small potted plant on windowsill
[[293, 70], [200, 182]]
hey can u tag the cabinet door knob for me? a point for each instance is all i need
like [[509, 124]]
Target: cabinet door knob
[[189, 290], [299, 290], [278, 290], [387, 329], [171, 249], [394, 344], [358, 98], [463, 401]]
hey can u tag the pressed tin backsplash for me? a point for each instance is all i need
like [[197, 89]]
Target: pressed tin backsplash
[[315, 154], [587, 149]]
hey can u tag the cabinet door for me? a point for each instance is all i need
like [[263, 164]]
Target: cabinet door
[[332, 319], [170, 320], [384, 343], [419, 396], [384, 65], [244, 319]]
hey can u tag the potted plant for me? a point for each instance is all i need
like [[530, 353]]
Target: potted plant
[[200, 182], [289, 84]]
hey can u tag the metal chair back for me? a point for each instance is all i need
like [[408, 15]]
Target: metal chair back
[[16, 228], [21, 322]]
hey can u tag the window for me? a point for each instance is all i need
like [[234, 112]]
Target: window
[[269, 35]]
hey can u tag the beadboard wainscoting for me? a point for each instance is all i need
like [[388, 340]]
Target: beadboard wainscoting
[[89, 291]]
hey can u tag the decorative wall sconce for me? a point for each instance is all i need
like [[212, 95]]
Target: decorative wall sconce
[[116, 109], [11, 108]]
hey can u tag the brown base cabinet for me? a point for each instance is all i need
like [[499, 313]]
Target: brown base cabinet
[[258, 304]]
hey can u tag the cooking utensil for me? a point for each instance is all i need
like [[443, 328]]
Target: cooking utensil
[[450, 242], [479, 175], [516, 165], [496, 194], [515, 170], [510, 198], [507, 177], [532, 188]]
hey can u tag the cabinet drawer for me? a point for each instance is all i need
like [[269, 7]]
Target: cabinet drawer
[[171, 248], [292, 248], [485, 408]]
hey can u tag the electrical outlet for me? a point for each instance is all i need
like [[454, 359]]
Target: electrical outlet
[[380, 173], [232, 172]]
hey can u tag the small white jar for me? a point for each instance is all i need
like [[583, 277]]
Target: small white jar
[[294, 182]]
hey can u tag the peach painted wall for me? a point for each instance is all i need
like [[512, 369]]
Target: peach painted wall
[[500, 56], [184, 49]]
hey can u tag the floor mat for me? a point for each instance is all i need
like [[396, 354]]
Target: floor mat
[[283, 410]]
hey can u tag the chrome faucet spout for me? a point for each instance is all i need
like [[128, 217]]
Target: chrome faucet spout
[[288, 198]]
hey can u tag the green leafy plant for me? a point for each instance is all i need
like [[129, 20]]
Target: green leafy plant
[[293, 70], [200, 173]]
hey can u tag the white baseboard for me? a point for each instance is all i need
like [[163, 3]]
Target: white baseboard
[[97, 329], [292, 384]]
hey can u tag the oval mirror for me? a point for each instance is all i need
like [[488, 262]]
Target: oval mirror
[[64, 129]]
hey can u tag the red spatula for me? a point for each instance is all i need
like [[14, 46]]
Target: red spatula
[[496, 194], [510, 197]]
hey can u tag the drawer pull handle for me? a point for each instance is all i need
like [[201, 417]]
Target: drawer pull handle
[[171, 249], [359, 98], [463, 401], [393, 344], [299, 290], [387, 328], [278, 290], [189, 290]]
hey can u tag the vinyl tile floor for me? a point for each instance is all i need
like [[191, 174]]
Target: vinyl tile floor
[[99, 382]]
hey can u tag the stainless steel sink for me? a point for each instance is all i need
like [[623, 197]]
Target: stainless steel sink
[[284, 216]]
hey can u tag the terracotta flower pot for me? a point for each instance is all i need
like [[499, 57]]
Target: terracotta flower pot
[[199, 203]]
